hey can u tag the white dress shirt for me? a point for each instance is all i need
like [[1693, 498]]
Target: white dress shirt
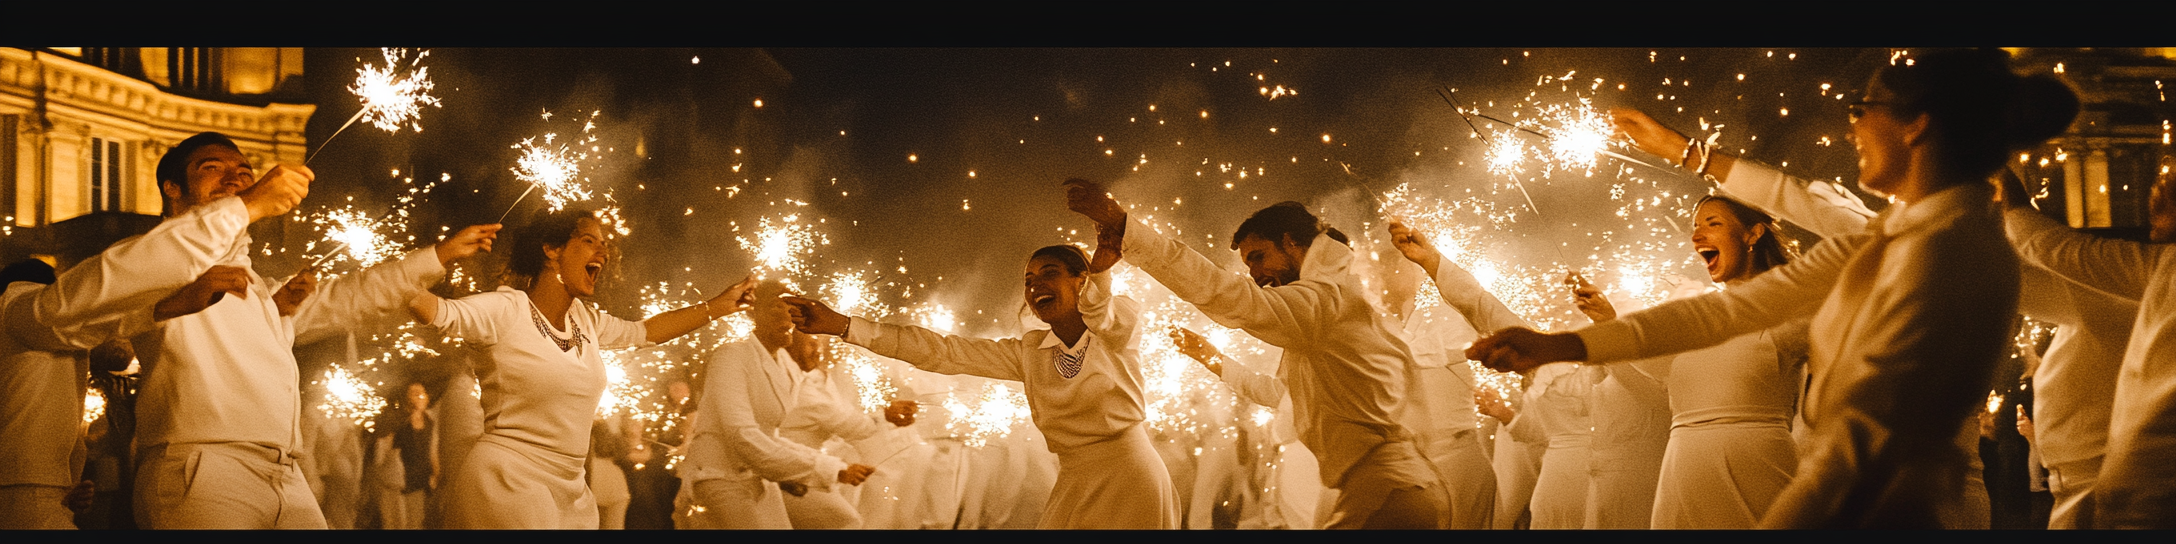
[[747, 391], [1344, 364]]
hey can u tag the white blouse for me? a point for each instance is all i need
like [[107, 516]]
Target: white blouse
[[1073, 405], [533, 391]]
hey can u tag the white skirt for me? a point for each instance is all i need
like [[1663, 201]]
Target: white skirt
[[1118, 483]]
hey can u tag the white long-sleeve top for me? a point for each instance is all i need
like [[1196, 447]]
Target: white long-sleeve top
[[2078, 372], [228, 373], [532, 390], [1102, 400], [85, 304], [827, 405], [747, 391], [1344, 363], [41, 407], [1264, 390], [43, 368], [2133, 487], [1912, 318]]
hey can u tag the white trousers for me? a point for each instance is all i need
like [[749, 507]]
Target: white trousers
[[34, 507], [223, 485]]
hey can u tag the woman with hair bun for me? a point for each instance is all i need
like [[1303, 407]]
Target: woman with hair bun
[[542, 375], [1910, 315], [1083, 385]]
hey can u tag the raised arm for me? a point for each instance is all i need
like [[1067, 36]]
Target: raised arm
[[923, 348], [1779, 295], [1255, 387], [669, 325], [1281, 316], [345, 303], [1458, 288], [1825, 209]]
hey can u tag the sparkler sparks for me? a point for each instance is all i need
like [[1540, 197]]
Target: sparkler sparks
[[991, 415], [778, 245], [394, 96], [357, 236], [349, 398]]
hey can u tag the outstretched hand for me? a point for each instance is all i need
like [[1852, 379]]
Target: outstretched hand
[[1646, 133], [813, 317], [738, 298], [208, 289], [1415, 246], [1520, 349], [469, 241], [1088, 198], [1589, 299]]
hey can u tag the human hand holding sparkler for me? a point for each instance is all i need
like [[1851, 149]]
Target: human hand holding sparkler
[[1589, 299], [208, 289], [1088, 198], [901, 412], [1194, 345], [296, 290], [813, 317], [1415, 246], [1519, 349], [1647, 134], [277, 191], [469, 241], [740, 297]]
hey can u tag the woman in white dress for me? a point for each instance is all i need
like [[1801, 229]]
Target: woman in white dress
[[542, 375], [1730, 450], [1083, 386], [1909, 316]]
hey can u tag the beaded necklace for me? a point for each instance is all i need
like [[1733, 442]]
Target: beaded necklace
[[545, 329]]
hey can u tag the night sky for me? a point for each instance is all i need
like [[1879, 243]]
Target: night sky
[[992, 133]]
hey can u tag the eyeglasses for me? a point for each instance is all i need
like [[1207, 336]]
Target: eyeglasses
[[1857, 109]]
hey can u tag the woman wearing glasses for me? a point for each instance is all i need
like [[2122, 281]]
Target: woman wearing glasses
[[1911, 314]]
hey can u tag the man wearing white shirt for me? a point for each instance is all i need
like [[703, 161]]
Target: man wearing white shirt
[[1344, 363], [219, 416]]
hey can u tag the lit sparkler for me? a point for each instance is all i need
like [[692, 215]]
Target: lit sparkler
[[779, 245], [350, 398], [393, 96], [554, 167], [355, 235]]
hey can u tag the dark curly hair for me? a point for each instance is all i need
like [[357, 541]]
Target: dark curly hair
[[548, 229]]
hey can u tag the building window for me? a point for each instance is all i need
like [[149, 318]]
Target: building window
[[108, 167]]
